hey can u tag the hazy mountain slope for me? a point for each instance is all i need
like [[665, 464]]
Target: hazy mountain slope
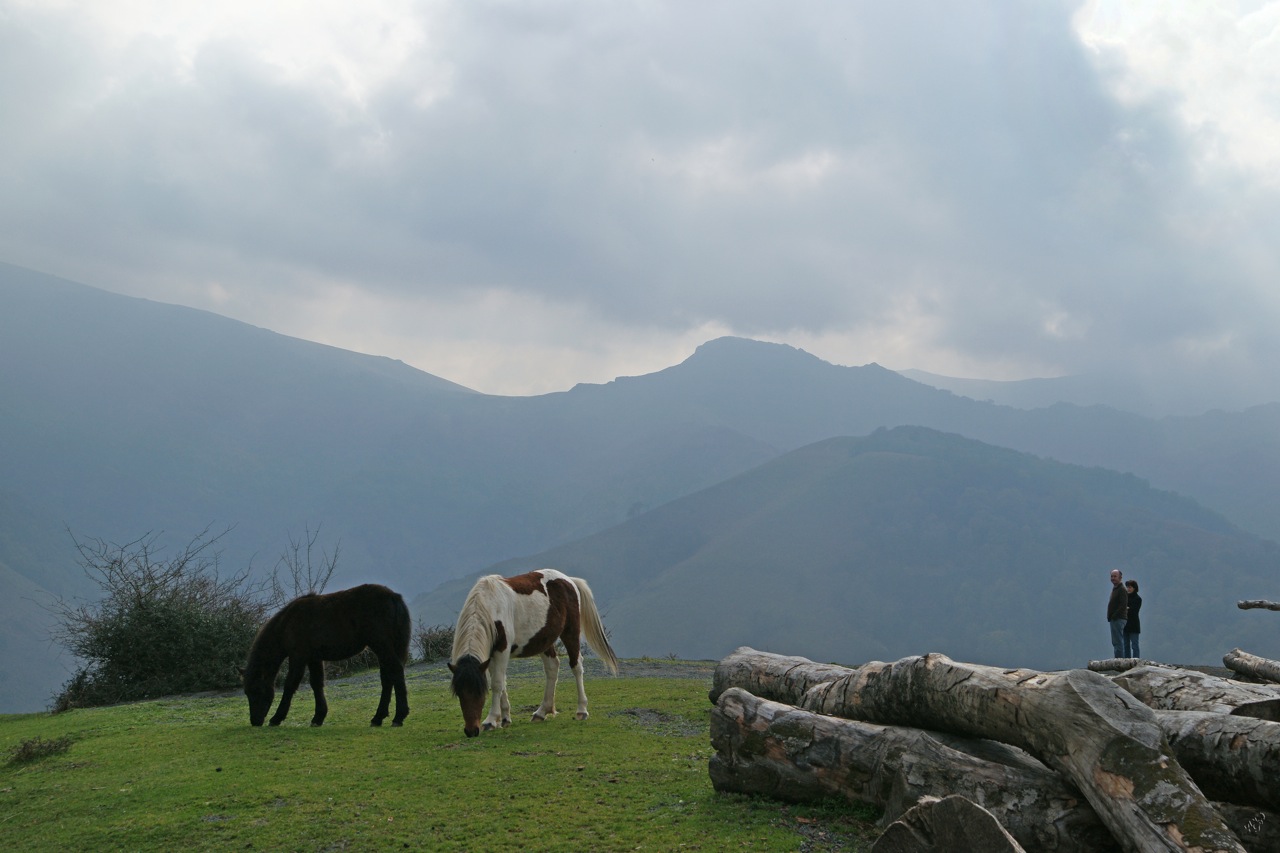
[[120, 417], [909, 541]]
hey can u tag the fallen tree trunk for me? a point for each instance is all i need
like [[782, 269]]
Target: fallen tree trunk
[[777, 677], [1236, 759], [1258, 604], [1252, 665], [1188, 690], [1077, 722], [946, 825], [780, 751]]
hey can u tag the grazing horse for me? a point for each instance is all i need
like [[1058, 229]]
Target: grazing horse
[[522, 616], [312, 629]]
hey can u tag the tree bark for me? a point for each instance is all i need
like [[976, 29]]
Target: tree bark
[[1252, 665], [1236, 759], [944, 826], [778, 750], [1258, 604], [1188, 690], [1077, 722]]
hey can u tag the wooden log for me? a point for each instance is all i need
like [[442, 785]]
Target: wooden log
[[1231, 758], [769, 676], [1167, 689], [1252, 665], [778, 750], [1077, 722], [1258, 604], [1120, 664], [944, 826]]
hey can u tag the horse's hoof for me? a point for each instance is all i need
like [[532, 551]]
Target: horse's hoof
[[488, 727], [378, 723], [581, 715], [395, 724], [274, 723], [506, 721], [315, 724]]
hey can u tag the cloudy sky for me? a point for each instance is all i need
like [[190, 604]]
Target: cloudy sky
[[520, 196]]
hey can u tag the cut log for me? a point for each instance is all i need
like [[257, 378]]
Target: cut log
[[769, 676], [1231, 758], [1077, 722], [1120, 664], [780, 751], [944, 826], [1252, 665], [1258, 604], [1188, 690]]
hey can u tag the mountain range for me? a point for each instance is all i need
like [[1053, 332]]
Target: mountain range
[[120, 417]]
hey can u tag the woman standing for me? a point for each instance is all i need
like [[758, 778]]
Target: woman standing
[[1133, 627]]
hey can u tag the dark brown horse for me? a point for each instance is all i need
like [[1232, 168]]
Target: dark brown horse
[[312, 629]]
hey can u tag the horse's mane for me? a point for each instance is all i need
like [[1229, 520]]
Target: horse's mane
[[474, 633]]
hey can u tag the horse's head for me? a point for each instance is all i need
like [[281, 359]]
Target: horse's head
[[470, 686], [261, 690]]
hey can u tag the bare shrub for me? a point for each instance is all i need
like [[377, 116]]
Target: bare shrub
[[433, 643], [36, 748], [164, 624]]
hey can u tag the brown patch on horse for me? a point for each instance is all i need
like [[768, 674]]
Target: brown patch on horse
[[499, 638], [562, 620], [525, 584]]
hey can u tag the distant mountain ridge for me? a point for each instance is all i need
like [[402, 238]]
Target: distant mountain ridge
[[909, 541], [120, 416]]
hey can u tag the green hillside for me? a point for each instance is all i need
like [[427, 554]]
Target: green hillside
[[912, 541], [190, 773]]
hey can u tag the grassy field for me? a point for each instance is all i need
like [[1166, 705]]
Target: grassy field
[[190, 773]]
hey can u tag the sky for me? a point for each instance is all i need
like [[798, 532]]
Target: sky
[[522, 196]]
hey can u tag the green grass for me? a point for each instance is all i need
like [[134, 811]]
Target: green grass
[[190, 773]]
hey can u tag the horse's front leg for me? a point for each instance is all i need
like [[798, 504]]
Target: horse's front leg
[[317, 688], [499, 705], [291, 682], [550, 666]]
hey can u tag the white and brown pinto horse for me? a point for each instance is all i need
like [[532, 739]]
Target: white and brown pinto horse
[[522, 616]]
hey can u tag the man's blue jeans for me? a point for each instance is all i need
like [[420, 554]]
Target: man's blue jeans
[[1117, 636]]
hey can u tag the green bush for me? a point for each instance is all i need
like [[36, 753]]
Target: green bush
[[163, 626]]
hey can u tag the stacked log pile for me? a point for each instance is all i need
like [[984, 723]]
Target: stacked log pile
[[1148, 758]]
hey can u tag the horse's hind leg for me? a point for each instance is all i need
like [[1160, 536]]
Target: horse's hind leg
[[550, 666], [291, 682], [573, 648], [391, 672], [402, 692], [317, 688]]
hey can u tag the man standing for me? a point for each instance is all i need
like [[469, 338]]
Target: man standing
[[1117, 612]]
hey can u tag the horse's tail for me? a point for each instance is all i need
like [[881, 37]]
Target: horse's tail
[[592, 627], [401, 628]]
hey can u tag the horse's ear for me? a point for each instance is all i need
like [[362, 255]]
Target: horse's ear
[[484, 667], [452, 668], [240, 670]]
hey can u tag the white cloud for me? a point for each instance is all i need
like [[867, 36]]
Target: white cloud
[[563, 189]]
